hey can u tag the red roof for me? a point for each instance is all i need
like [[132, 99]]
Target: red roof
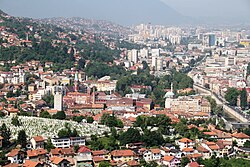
[[122, 153], [84, 149], [241, 136], [38, 138]]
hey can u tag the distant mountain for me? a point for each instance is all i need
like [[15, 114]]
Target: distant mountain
[[125, 12], [137, 11]]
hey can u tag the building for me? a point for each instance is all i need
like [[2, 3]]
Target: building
[[37, 142], [134, 56], [58, 101], [185, 143], [122, 155], [67, 142], [240, 138], [171, 161]]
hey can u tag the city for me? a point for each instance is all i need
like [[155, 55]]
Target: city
[[93, 93]]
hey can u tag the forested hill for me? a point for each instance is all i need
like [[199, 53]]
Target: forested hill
[[23, 39]]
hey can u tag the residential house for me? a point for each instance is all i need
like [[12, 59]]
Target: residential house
[[156, 154], [240, 138], [37, 142], [59, 162], [29, 163], [205, 152], [37, 155], [122, 155], [185, 143], [171, 161], [14, 156], [84, 157]]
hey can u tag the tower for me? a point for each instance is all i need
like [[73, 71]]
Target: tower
[[169, 97], [76, 80], [58, 101]]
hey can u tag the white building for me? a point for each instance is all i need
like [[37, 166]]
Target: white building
[[67, 142], [58, 101]]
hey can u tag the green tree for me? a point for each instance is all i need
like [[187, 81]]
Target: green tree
[[49, 145], [104, 164], [22, 138], [45, 114], [247, 144], [243, 99], [184, 161], [111, 121], [90, 119], [130, 136], [153, 138], [6, 134], [231, 96], [59, 115], [78, 118], [15, 121]]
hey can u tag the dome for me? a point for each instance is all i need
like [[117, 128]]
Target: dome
[[169, 95]]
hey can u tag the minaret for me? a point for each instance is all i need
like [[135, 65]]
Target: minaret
[[172, 87], [76, 82]]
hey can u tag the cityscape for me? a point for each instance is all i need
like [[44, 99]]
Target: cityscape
[[92, 92]]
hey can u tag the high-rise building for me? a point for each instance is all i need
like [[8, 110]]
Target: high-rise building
[[144, 53], [155, 52], [135, 56], [209, 40], [58, 101]]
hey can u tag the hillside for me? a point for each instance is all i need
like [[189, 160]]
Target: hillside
[[23, 39]]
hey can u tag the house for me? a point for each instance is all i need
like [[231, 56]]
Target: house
[[1, 141], [185, 143], [122, 155], [205, 152], [59, 162], [98, 159], [84, 157], [171, 161], [37, 142], [29, 163], [240, 138], [193, 164], [36, 155], [156, 154], [146, 154], [102, 153], [14, 156]]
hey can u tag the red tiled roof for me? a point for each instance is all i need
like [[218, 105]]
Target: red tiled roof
[[193, 164], [98, 159], [84, 149], [240, 136], [13, 153], [155, 151], [185, 140], [132, 163], [99, 152], [38, 138], [168, 158], [29, 163], [122, 153]]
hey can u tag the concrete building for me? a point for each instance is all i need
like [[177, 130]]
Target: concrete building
[[58, 101]]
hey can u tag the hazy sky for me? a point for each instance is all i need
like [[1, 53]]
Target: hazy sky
[[221, 8], [96, 8]]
